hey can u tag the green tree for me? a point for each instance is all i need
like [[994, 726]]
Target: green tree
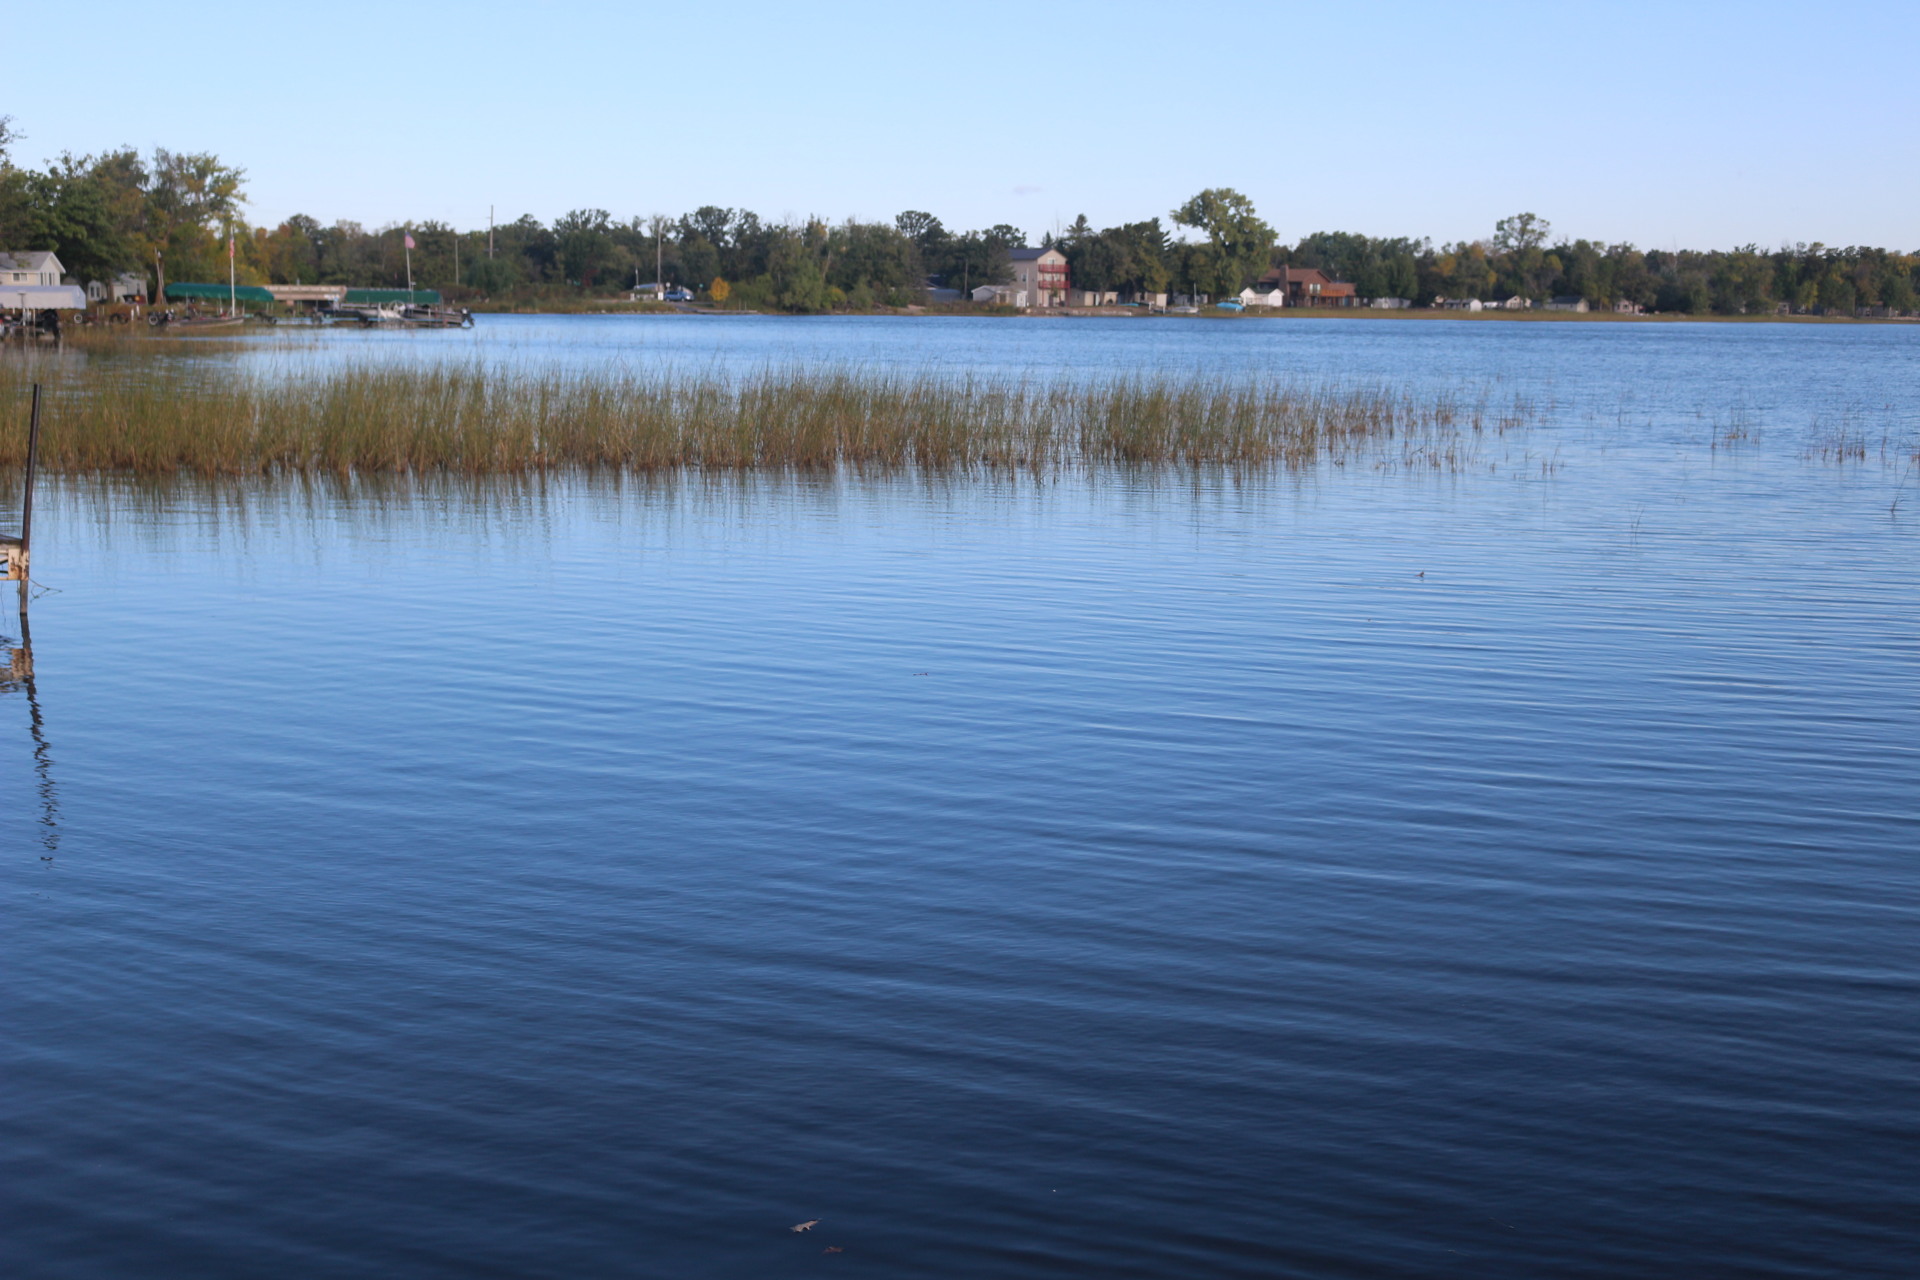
[[1740, 283], [922, 228], [1238, 242], [494, 275], [967, 261], [797, 274], [1400, 278], [1837, 294], [877, 255], [189, 197], [1521, 232], [588, 252], [76, 220], [1897, 288], [711, 223]]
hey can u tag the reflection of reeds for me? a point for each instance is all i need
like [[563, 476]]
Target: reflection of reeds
[[163, 417]]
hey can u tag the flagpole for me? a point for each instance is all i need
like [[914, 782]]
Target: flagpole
[[233, 306], [408, 241]]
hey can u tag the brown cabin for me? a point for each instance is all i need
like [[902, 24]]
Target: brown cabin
[[1308, 287]]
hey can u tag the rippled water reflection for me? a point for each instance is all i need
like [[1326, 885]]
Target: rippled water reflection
[[1503, 874]]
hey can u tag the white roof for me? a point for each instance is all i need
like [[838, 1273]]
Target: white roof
[[40, 297]]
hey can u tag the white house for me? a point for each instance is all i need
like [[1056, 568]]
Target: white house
[[124, 287], [34, 267], [1567, 302], [1252, 296], [1459, 304], [31, 281], [1001, 295]]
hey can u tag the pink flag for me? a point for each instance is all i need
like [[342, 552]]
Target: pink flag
[[229, 246], [410, 243]]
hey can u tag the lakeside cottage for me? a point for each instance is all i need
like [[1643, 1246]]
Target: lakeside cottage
[[124, 287], [1001, 295], [1299, 287], [35, 267], [1567, 302], [31, 281]]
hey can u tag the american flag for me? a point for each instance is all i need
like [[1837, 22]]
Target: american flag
[[410, 243]]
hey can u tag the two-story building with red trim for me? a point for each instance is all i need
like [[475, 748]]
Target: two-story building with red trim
[[1042, 274]]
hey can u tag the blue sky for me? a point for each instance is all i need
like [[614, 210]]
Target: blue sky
[[1703, 124]]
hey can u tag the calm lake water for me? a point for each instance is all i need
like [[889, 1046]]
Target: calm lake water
[[1506, 872]]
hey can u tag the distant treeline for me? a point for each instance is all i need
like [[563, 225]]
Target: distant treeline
[[164, 216]]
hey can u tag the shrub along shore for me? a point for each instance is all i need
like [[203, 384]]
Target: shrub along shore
[[144, 417]]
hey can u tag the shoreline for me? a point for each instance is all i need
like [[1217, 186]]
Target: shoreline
[[614, 307]]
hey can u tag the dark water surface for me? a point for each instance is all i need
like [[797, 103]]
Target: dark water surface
[[1117, 875]]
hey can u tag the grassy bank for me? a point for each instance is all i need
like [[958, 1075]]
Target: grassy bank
[[1540, 316], [155, 417]]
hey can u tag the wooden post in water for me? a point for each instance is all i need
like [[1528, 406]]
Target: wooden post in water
[[17, 549]]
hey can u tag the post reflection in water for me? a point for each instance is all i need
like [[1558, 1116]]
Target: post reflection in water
[[19, 677]]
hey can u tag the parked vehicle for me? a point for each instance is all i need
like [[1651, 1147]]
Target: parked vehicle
[[679, 295]]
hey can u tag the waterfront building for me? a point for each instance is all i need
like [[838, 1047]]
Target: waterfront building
[[1042, 273], [1300, 287], [1001, 295], [30, 281], [125, 287]]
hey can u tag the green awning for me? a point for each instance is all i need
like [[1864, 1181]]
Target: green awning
[[373, 297], [216, 293]]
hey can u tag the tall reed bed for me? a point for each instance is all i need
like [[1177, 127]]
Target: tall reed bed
[[158, 417]]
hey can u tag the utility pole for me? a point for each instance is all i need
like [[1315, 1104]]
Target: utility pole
[[489, 231]]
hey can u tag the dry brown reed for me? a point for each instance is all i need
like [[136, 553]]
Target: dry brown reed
[[147, 417]]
